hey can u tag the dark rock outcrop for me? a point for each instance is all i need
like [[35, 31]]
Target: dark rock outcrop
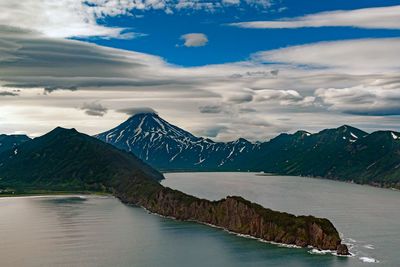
[[240, 216], [342, 250]]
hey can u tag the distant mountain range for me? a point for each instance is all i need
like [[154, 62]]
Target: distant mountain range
[[344, 153]]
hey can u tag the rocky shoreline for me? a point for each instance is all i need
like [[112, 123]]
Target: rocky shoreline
[[236, 215]]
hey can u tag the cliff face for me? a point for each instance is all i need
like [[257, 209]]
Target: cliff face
[[243, 217]]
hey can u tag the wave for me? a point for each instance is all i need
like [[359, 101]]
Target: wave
[[368, 260], [369, 246], [320, 252]]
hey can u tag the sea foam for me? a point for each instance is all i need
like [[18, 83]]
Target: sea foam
[[368, 260]]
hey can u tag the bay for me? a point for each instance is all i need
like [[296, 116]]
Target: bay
[[101, 231]]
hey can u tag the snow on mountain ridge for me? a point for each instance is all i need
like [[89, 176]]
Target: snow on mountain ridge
[[160, 143]]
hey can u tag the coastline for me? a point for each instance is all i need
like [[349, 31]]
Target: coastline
[[86, 193], [283, 245], [55, 193]]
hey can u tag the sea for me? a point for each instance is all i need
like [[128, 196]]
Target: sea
[[86, 230]]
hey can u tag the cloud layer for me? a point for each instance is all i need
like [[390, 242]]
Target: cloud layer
[[355, 56], [367, 18], [307, 87]]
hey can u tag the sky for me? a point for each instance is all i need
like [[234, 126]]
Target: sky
[[221, 69]]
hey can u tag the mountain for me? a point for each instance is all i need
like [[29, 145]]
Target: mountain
[[293, 153], [167, 147], [67, 160], [345, 153], [11, 141]]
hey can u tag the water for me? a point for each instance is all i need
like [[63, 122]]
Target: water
[[367, 217], [101, 231]]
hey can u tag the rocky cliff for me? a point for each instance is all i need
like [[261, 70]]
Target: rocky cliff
[[239, 216]]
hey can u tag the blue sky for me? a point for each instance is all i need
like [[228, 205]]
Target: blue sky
[[230, 44]]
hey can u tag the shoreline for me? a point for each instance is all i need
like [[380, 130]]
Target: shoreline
[[79, 194], [82, 194], [282, 245], [54, 194], [279, 174]]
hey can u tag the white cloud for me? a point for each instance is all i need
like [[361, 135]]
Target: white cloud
[[62, 18], [368, 18], [82, 18], [285, 97], [194, 39], [261, 3], [363, 100], [355, 56]]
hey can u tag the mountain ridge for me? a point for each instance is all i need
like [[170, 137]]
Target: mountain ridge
[[171, 147], [334, 153], [52, 158]]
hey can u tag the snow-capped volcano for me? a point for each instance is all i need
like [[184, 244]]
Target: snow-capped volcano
[[166, 146]]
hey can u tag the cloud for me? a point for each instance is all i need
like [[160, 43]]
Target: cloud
[[84, 18], [64, 18], [247, 110], [274, 72], [6, 93], [94, 109], [213, 6], [256, 74], [212, 131], [285, 97], [367, 18], [31, 60], [137, 110], [362, 100], [51, 89], [356, 56], [194, 39], [120, 80], [211, 109], [239, 98]]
